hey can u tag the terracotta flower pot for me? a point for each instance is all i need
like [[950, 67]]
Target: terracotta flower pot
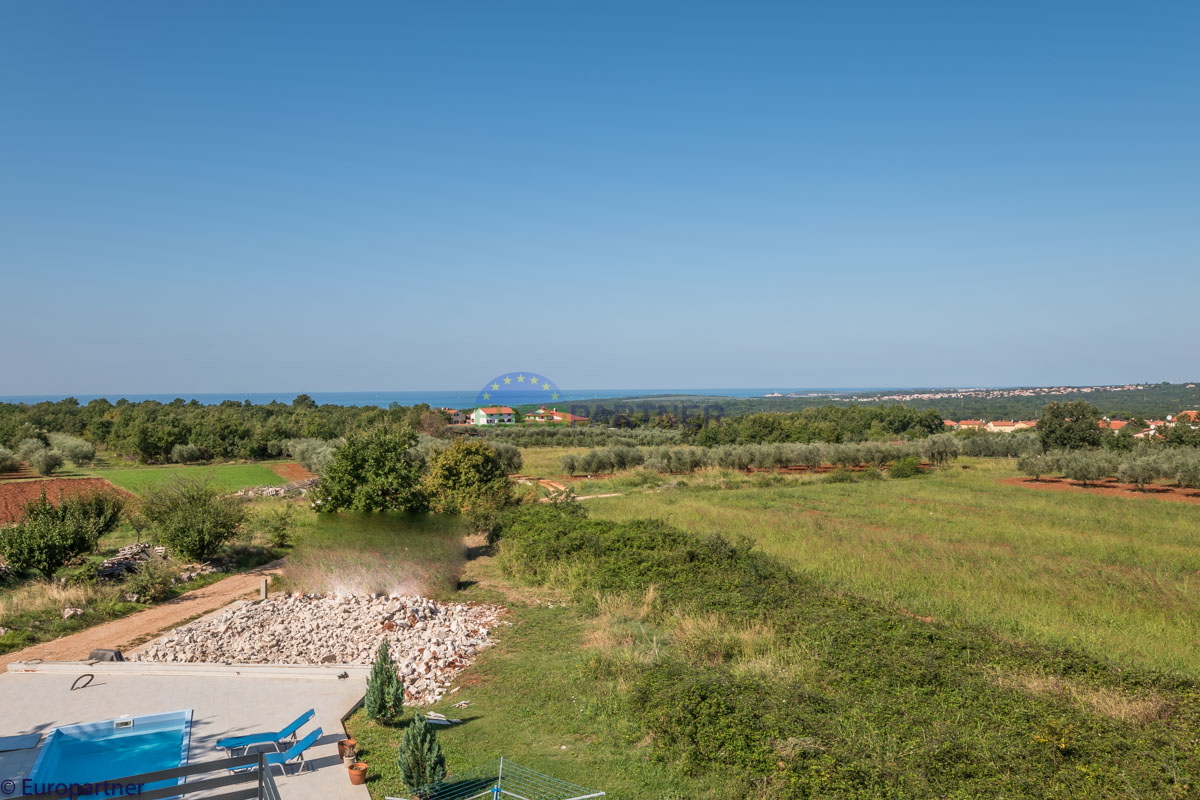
[[358, 773], [346, 747]]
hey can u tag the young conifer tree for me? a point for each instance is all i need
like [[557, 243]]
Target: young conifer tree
[[384, 701]]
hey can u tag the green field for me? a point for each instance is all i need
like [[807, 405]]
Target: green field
[[1116, 577], [228, 477]]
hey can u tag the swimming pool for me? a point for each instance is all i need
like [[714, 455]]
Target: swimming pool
[[115, 748]]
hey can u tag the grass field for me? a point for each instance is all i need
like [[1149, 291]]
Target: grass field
[[534, 701], [228, 477], [544, 462], [356, 553], [1115, 577]]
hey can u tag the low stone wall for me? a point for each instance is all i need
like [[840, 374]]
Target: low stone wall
[[431, 642]]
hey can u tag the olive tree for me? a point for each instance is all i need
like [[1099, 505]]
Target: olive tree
[[193, 518], [939, 448]]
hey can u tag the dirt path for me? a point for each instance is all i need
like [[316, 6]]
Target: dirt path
[[126, 632], [1108, 487]]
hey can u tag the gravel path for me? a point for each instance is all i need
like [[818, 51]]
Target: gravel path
[[123, 633]]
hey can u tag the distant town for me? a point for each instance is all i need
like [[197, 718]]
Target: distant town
[[956, 394]]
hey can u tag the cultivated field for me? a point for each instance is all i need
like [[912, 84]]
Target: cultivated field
[[228, 477]]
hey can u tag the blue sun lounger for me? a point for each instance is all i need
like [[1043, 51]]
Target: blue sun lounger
[[294, 753], [235, 743]]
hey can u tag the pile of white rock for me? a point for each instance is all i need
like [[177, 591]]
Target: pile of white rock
[[430, 642]]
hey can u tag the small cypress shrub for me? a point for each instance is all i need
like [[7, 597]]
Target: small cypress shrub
[[384, 701], [421, 762]]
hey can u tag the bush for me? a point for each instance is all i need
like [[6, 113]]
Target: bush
[[373, 471], [193, 519], [8, 460], [152, 581], [277, 524], [838, 476], [313, 454], [186, 454], [384, 701], [908, 467], [48, 537], [509, 456]]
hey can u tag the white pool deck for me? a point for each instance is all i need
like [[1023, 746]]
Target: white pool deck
[[225, 701]]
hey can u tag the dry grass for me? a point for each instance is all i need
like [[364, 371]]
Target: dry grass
[[38, 596], [1139, 710]]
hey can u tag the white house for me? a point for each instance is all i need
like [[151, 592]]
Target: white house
[[493, 415]]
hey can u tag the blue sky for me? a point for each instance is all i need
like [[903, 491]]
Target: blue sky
[[227, 196]]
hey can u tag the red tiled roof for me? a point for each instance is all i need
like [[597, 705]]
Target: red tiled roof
[[497, 410]]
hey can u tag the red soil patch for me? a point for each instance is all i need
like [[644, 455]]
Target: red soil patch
[[14, 496], [1108, 487], [291, 471]]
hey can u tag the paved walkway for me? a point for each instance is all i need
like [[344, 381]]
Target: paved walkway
[[126, 632], [224, 701]]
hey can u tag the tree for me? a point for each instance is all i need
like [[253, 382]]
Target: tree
[[1036, 465], [468, 478], [375, 470], [1141, 471], [49, 536], [939, 448], [421, 762], [193, 518], [8, 460], [384, 701], [1085, 467], [46, 462], [1069, 426]]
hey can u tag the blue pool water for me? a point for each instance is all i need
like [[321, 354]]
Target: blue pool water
[[101, 751]]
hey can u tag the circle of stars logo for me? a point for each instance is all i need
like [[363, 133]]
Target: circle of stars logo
[[519, 389]]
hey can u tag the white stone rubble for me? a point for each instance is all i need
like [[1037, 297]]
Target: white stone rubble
[[430, 642]]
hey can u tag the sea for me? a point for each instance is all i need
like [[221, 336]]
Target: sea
[[450, 398]]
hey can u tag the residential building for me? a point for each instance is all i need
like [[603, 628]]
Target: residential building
[[554, 415], [493, 415]]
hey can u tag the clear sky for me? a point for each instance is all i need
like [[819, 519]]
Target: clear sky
[[231, 196]]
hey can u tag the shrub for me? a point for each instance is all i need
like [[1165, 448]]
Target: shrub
[[908, 467], [509, 456], [838, 476], [8, 460], [384, 701], [1187, 471], [373, 471], [276, 524], [152, 581], [192, 518], [186, 454], [420, 761], [313, 454], [49, 536]]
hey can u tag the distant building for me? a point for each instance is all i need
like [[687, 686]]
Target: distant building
[[458, 417], [554, 415], [493, 415], [971, 425], [1002, 426]]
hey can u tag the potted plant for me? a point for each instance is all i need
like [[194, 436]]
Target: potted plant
[[358, 773], [346, 747]]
